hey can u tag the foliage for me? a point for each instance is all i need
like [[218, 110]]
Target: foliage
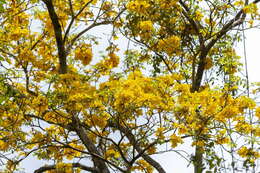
[[63, 104]]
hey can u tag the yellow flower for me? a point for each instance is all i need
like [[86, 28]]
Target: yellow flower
[[175, 140], [243, 127], [112, 153], [251, 9], [138, 6], [169, 45], [257, 112], [159, 132], [64, 167], [146, 25], [114, 59], [239, 3], [222, 140], [249, 153], [198, 15], [144, 166], [151, 150], [208, 63], [198, 143], [99, 121], [106, 6], [243, 151], [3, 145], [84, 54]]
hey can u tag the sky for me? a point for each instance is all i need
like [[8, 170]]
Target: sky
[[252, 53]]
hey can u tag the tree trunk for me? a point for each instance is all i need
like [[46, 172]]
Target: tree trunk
[[198, 160]]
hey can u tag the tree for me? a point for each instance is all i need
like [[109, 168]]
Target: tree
[[61, 103]]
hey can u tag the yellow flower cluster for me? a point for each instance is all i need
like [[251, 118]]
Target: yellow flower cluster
[[197, 111], [146, 26], [247, 152], [84, 54], [251, 9], [146, 29], [143, 166], [64, 167], [98, 120], [3, 145], [239, 3], [112, 153], [243, 127], [208, 63], [169, 45], [139, 91], [138, 6], [159, 133], [165, 4], [257, 112], [113, 60], [198, 15], [175, 140]]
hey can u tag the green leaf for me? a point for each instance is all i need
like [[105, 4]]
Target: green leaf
[[2, 2]]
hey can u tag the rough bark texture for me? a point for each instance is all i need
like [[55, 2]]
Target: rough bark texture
[[137, 147], [58, 36], [98, 163]]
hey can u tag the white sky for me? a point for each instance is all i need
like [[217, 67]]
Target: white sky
[[253, 53]]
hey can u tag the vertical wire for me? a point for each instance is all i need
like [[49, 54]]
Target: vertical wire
[[232, 150], [247, 86], [245, 59]]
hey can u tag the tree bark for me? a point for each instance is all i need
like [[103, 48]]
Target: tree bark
[[137, 147], [98, 163], [58, 36], [198, 160]]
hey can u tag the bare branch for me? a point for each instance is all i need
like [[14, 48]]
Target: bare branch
[[74, 18], [137, 147], [74, 165]]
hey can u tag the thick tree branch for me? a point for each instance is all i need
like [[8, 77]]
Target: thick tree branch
[[195, 24], [58, 36], [99, 163], [236, 21], [137, 147]]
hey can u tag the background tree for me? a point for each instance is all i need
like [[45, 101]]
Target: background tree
[[77, 114]]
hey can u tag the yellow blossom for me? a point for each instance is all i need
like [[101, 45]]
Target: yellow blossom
[[257, 112], [198, 15], [175, 140], [160, 132], [170, 45], [138, 6], [146, 25], [84, 54]]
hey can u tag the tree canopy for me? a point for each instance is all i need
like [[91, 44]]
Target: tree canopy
[[178, 81]]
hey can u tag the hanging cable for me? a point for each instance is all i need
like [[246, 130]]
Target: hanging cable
[[250, 113], [245, 59]]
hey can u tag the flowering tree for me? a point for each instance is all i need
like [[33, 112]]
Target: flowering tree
[[62, 104]]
